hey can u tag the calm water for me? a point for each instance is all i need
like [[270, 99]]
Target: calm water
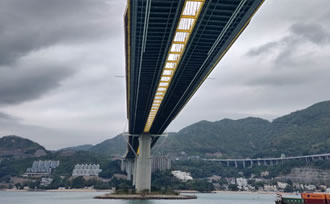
[[87, 197]]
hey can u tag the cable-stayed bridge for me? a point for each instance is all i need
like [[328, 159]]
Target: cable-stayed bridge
[[171, 48]]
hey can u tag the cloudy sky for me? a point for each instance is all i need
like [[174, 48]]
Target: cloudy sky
[[59, 61]]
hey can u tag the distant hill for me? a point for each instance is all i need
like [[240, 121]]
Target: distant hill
[[16, 147], [85, 147], [115, 146], [303, 132], [224, 138]]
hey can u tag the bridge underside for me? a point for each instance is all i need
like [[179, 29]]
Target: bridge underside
[[150, 28], [171, 48]]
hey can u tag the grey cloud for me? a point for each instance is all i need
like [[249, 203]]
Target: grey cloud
[[31, 25], [312, 32], [7, 117], [299, 33], [279, 80], [288, 78], [262, 49], [20, 85], [49, 137], [290, 64]]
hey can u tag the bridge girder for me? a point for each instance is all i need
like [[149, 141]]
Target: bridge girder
[[154, 32]]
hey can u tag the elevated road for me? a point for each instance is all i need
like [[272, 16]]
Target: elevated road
[[269, 161]]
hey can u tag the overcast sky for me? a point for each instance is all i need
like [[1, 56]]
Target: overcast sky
[[59, 59]]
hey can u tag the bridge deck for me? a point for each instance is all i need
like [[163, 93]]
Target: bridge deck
[[152, 28]]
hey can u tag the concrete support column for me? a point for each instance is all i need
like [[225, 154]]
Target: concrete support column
[[243, 164], [127, 165], [227, 163], [236, 165], [129, 168], [143, 168], [134, 171]]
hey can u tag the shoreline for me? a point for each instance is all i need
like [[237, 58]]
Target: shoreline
[[58, 190], [110, 191]]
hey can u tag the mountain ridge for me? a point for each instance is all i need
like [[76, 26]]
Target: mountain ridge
[[302, 132], [13, 146]]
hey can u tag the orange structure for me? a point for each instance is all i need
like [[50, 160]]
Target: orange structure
[[315, 198], [328, 198]]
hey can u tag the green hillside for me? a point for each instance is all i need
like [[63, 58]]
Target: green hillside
[[85, 147], [303, 132], [115, 146], [16, 147], [225, 138]]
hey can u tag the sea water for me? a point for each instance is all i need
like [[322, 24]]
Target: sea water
[[87, 198]]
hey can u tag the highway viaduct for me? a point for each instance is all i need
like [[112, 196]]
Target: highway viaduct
[[249, 163]]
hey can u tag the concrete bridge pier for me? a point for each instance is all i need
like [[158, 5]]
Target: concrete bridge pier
[[128, 166], [143, 167], [134, 172]]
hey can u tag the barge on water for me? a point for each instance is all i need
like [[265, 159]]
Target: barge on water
[[306, 198]]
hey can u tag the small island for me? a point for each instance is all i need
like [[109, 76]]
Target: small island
[[147, 196]]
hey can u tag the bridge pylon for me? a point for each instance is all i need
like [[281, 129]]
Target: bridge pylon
[[143, 166]]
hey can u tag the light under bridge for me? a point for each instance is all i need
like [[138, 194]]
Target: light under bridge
[[171, 48]]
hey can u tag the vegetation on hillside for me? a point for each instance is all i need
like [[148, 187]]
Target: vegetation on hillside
[[299, 133]]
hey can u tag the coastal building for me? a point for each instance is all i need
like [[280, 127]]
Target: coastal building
[[264, 173], [160, 164], [242, 183], [181, 175], [41, 168], [86, 170], [270, 188], [281, 185], [310, 187], [231, 180], [45, 181]]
